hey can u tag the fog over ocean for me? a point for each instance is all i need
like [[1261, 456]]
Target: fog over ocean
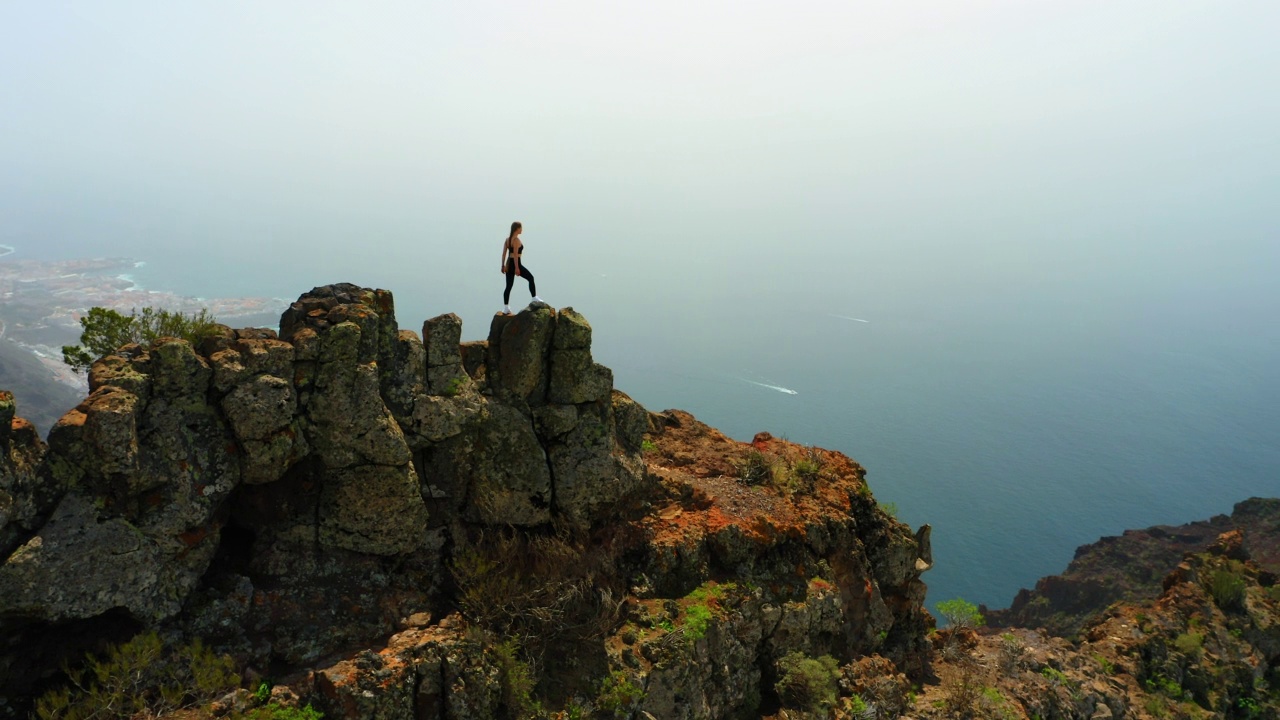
[[1019, 262]]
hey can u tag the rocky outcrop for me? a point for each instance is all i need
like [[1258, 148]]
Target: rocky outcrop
[[1205, 646], [24, 497], [321, 502], [1131, 567]]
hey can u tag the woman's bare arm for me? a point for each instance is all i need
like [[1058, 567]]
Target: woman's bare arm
[[506, 245]]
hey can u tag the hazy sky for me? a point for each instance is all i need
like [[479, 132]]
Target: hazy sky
[[731, 114]]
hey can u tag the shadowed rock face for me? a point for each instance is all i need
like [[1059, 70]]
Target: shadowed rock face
[[287, 497]]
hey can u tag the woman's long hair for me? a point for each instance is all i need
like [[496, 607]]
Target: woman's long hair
[[514, 227]]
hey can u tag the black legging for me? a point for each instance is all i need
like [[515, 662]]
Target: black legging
[[511, 278]]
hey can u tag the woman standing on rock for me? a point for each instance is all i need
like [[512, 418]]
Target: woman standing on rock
[[512, 249]]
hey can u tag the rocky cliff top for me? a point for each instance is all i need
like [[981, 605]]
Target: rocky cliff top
[[383, 523], [370, 514]]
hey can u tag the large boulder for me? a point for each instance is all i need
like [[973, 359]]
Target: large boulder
[[574, 376], [592, 474], [516, 364], [485, 470], [254, 376]]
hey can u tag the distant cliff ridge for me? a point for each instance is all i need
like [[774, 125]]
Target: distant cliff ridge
[[366, 513], [1133, 566]]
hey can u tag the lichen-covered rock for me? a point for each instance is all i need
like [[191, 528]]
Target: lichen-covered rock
[[127, 369], [516, 364], [427, 674], [97, 442], [247, 358], [486, 472], [438, 418], [374, 509], [474, 354], [261, 412], [254, 373], [591, 477], [631, 421], [404, 376], [176, 370], [349, 423], [442, 335], [114, 563], [574, 376]]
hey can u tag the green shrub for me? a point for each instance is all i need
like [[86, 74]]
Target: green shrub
[[807, 469], [890, 509], [806, 683], [1227, 588], [755, 468], [1164, 686], [858, 708], [647, 446], [140, 677], [1011, 651], [105, 330], [517, 681], [618, 694], [1189, 644], [960, 613]]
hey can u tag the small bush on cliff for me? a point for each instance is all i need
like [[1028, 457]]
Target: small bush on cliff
[[808, 684], [1227, 585], [536, 588], [140, 678], [517, 681], [755, 468], [1190, 644], [960, 613], [618, 694], [105, 330]]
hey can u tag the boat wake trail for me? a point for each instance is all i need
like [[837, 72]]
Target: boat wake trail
[[846, 317], [779, 388]]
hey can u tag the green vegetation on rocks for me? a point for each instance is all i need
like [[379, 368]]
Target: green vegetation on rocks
[[960, 613], [808, 684], [140, 677], [106, 330]]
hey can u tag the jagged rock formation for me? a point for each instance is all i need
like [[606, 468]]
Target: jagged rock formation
[[321, 503], [1131, 567]]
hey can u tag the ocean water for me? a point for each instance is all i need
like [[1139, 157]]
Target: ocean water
[[1023, 399]]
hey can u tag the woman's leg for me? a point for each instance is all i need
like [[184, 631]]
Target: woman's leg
[[511, 278], [524, 273]]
